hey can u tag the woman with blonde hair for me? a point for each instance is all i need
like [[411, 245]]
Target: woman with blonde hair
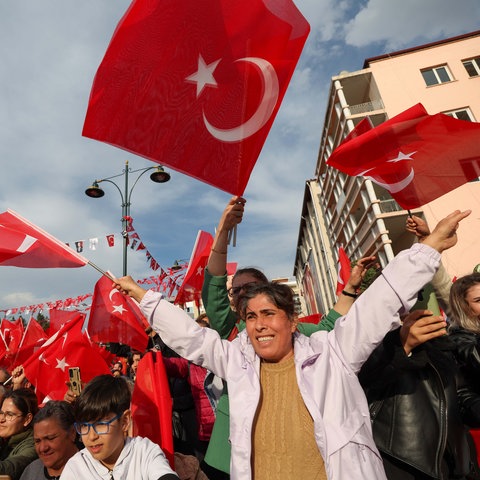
[[464, 331]]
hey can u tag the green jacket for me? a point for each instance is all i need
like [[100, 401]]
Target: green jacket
[[17, 453], [223, 319]]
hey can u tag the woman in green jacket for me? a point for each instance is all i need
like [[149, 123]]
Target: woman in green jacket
[[16, 433]]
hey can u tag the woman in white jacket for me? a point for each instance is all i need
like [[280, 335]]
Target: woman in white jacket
[[325, 405]]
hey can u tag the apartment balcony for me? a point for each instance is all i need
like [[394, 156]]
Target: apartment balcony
[[389, 206], [366, 107]]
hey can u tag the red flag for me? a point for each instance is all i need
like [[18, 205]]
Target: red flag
[[116, 318], [12, 333], [313, 318], [191, 287], [111, 240], [3, 349], [152, 403], [33, 337], [58, 318], [231, 268], [23, 244], [417, 157], [48, 367], [343, 270], [196, 84]]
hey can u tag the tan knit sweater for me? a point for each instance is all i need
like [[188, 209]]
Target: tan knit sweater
[[284, 446]]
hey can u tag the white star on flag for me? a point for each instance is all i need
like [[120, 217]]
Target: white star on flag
[[118, 309], [402, 156], [200, 271], [62, 364], [204, 75]]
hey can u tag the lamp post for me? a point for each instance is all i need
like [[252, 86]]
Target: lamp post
[[159, 175]]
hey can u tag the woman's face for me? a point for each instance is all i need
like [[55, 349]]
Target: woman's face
[[53, 444], [269, 329], [473, 299], [12, 420]]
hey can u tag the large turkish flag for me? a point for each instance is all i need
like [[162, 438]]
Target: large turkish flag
[[196, 84]]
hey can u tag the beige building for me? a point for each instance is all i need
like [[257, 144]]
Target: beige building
[[360, 215]]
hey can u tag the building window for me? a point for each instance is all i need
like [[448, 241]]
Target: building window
[[461, 114], [472, 66], [436, 75]]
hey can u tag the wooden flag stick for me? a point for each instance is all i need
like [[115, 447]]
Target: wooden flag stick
[[103, 272]]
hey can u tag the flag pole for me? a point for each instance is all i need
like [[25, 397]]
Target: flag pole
[[103, 272]]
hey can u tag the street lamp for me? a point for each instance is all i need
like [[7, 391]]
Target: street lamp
[[159, 175]]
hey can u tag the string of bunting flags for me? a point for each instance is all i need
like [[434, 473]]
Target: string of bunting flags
[[167, 281]]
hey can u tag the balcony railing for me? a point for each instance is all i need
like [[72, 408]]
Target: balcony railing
[[388, 206], [366, 107]]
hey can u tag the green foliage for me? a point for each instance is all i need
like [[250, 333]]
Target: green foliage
[[43, 321]]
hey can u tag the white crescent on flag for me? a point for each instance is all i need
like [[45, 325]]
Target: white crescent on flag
[[262, 114], [397, 186]]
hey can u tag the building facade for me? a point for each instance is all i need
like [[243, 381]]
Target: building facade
[[353, 212]]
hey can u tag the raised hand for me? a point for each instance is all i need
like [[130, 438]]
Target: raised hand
[[444, 235], [358, 272], [233, 213], [128, 286]]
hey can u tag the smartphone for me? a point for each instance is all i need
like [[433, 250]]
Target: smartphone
[[75, 380], [427, 300]]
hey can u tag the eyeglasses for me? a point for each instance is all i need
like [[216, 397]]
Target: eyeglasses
[[9, 416], [236, 290], [100, 428]]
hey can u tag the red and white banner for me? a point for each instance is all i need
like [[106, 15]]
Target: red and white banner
[[23, 244]]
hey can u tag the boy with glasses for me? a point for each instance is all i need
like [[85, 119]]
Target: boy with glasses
[[103, 416]]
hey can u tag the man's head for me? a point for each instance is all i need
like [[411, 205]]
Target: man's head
[[117, 369], [102, 417]]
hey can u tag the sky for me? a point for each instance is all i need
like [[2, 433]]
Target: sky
[[49, 53]]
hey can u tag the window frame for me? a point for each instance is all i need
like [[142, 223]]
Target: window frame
[[437, 75], [454, 113], [475, 62]]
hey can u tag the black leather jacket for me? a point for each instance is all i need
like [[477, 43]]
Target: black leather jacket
[[467, 353], [413, 406]]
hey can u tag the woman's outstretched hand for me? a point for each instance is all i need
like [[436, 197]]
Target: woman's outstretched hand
[[444, 235]]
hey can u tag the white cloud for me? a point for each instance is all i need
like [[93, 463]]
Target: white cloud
[[398, 23]]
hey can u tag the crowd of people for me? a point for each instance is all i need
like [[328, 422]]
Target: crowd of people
[[375, 390]]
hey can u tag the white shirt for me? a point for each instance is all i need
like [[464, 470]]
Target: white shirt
[[140, 459]]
